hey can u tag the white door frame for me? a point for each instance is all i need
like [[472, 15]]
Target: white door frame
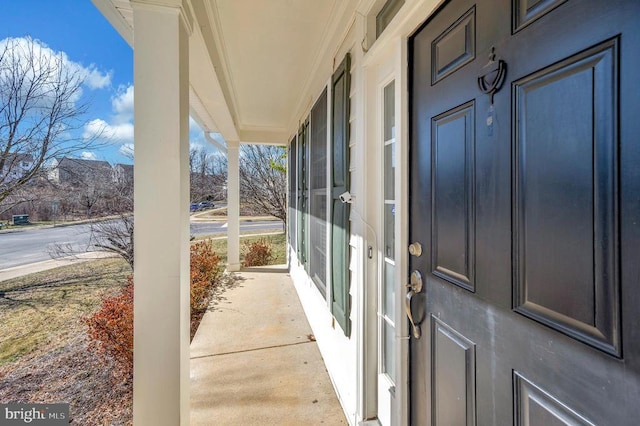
[[387, 66]]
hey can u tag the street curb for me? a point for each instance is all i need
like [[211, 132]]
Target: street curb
[[45, 265]]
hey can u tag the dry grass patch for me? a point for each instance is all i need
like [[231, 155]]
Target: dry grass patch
[[44, 355], [41, 312]]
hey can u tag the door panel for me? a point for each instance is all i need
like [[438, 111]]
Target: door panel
[[566, 203], [453, 376], [455, 47], [530, 208], [534, 406], [527, 11], [452, 242]]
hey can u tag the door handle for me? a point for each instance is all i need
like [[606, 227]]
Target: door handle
[[415, 287]]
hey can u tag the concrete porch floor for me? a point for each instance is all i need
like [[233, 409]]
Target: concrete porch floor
[[254, 360]]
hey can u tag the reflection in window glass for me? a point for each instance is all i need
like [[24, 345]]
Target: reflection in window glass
[[389, 338], [388, 292], [389, 234], [389, 112], [386, 14], [389, 169]]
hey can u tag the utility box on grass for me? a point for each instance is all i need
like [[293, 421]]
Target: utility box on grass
[[20, 219]]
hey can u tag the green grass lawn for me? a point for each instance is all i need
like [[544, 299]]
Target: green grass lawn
[[278, 245]]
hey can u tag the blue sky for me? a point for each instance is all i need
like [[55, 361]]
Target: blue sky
[[76, 28]]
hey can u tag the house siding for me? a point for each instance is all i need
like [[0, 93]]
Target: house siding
[[351, 359], [339, 350]]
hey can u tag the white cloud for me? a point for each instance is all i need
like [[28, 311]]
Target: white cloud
[[119, 129], [88, 155], [25, 49], [122, 104], [117, 133], [96, 79]]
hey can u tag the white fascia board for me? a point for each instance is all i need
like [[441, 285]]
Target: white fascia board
[[115, 18], [209, 102], [216, 140]]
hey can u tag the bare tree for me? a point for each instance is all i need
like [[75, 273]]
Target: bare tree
[[217, 169], [208, 175], [198, 173], [40, 111], [263, 179], [113, 236]]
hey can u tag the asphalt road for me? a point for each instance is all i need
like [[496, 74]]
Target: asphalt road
[[25, 246]]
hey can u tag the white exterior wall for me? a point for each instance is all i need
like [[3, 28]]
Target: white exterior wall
[[352, 362], [340, 353]]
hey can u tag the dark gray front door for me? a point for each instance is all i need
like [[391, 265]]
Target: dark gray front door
[[528, 212]]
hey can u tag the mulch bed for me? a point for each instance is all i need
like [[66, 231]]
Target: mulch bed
[[71, 374]]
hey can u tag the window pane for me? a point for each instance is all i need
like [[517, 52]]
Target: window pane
[[389, 111], [293, 193], [389, 10], [388, 335], [318, 184], [389, 172], [389, 231], [389, 293], [318, 238], [389, 141]]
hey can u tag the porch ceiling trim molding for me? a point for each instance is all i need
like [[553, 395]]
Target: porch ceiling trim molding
[[207, 101], [255, 67]]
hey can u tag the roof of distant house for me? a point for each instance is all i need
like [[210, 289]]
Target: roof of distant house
[[75, 163], [12, 157]]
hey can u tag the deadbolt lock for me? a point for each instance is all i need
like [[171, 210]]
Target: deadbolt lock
[[415, 249]]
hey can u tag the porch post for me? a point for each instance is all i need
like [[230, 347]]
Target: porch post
[[233, 206], [161, 211]]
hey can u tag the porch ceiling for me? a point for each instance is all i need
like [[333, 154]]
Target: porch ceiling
[[256, 58], [267, 56]]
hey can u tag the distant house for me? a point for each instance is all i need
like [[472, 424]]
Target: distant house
[[15, 166], [75, 171], [122, 173]]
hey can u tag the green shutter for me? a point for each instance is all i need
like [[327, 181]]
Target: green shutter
[[340, 301], [303, 195]]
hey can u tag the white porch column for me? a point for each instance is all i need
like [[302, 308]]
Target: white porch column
[[233, 206], [161, 244]]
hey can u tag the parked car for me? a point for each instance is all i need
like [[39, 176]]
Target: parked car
[[193, 207], [205, 205]]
